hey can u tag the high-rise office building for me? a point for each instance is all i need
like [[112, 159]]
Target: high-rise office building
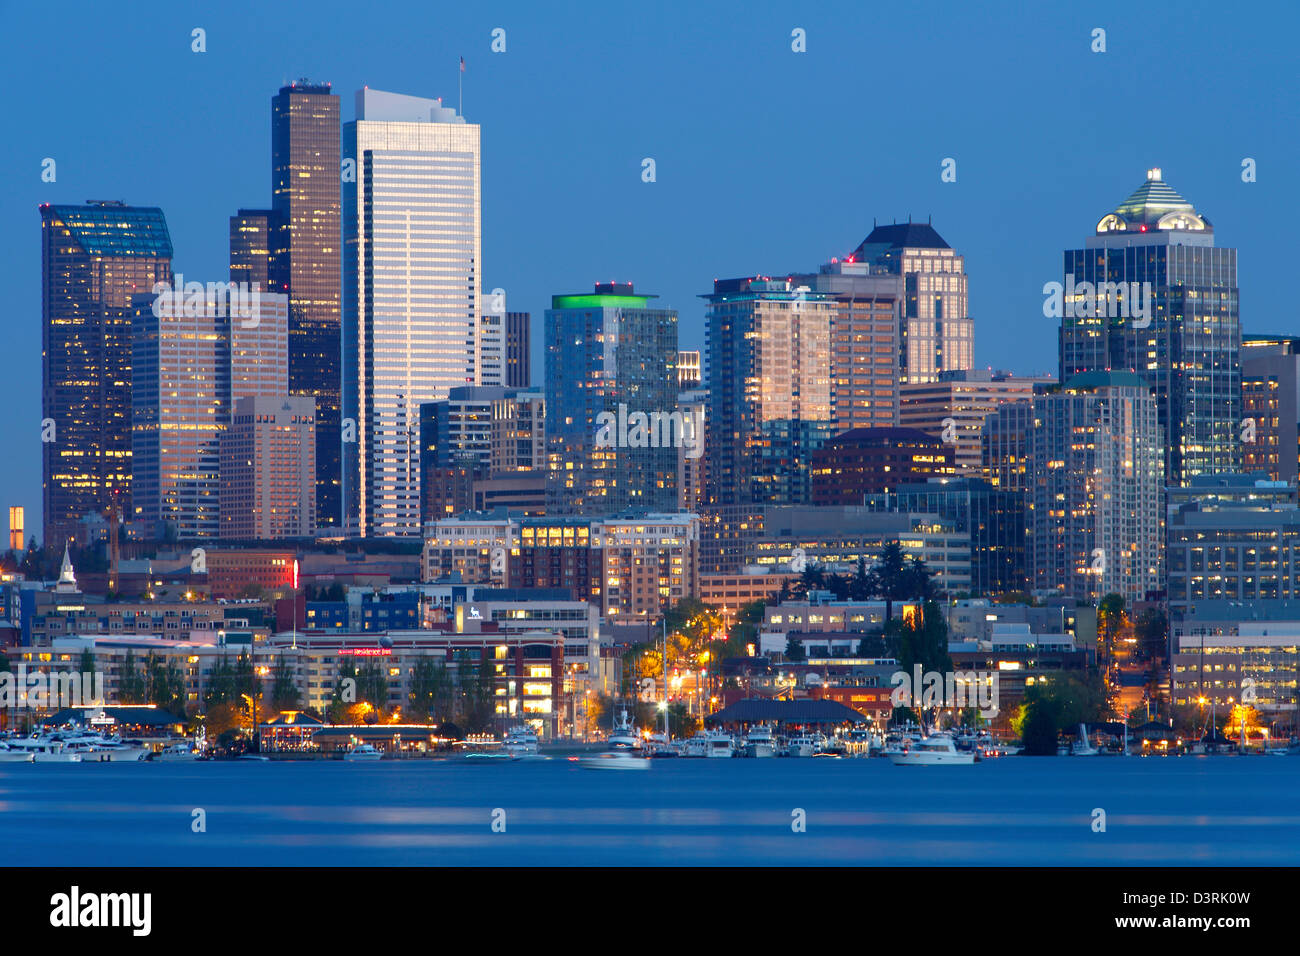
[[519, 344], [864, 337], [518, 433], [268, 468], [94, 260], [250, 248], [180, 407], [769, 388], [1270, 399], [458, 430], [492, 347], [936, 329], [259, 349], [412, 296], [769, 373], [305, 244], [1004, 445], [1096, 489], [1150, 293], [612, 426], [954, 408]]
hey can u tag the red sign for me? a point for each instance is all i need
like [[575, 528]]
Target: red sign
[[366, 652]]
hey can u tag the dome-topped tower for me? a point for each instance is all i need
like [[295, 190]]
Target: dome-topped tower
[[1153, 205]]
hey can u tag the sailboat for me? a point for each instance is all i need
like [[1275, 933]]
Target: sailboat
[[1083, 747]]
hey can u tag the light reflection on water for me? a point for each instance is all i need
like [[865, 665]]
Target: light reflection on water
[[1013, 811]]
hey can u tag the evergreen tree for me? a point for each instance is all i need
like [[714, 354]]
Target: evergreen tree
[[284, 689]]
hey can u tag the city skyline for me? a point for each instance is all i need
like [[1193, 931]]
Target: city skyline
[[1083, 182]]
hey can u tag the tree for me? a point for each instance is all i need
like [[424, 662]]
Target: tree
[[220, 687], [793, 649], [1039, 734], [165, 687], [430, 696], [477, 695], [131, 687], [284, 689], [872, 644], [1110, 619], [1152, 633]]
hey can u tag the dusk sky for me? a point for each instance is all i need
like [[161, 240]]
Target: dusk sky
[[767, 160]]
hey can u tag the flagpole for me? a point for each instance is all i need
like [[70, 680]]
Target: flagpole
[[460, 88]]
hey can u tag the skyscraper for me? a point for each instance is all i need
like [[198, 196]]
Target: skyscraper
[[94, 259], [250, 248], [519, 344], [412, 297], [767, 361], [305, 242], [937, 332], [769, 371], [268, 468], [180, 406], [1270, 397], [864, 341], [1095, 489], [1150, 293], [612, 424]]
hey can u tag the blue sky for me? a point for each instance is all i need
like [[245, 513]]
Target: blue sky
[[767, 160]]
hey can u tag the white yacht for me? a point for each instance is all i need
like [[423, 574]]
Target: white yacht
[[623, 759], [181, 750], [804, 745], [760, 742], [98, 748], [362, 752], [623, 736], [45, 749], [710, 743], [931, 751], [8, 755], [520, 741]]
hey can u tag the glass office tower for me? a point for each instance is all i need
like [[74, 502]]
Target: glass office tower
[[611, 353], [1187, 350], [412, 260], [305, 239], [94, 259]]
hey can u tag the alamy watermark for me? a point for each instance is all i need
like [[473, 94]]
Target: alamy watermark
[[1111, 300], [677, 429], [45, 690], [954, 689], [193, 299]]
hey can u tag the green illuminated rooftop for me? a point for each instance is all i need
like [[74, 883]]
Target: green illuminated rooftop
[[608, 295]]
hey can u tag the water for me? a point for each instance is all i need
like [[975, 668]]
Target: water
[[1012, 811]]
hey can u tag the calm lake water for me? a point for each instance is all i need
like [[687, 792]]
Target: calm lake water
[[1186, 810]]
